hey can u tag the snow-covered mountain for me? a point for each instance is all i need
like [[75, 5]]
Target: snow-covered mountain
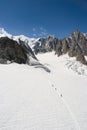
[[75, 44], [29, 41], [3, 33], [31, 98], [13, 52]]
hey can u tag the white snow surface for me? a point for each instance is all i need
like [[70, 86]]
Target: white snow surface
[[3, 33], [32, 99], [29, 41]]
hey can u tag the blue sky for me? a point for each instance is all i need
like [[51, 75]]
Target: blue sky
[[36, 18]]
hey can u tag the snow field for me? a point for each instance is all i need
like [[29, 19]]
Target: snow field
[[30, 98]]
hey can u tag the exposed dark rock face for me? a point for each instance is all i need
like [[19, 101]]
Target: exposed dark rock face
[[58, 48], [11, 51], [45, 45], [75, 45], [65, 46], [73, 49], [80, 57]]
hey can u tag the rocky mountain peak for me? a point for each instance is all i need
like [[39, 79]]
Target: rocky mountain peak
[[77, 35], [75, 45]]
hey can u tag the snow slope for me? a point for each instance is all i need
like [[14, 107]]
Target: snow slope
[[29, 41], [32, 99], [71, 85], [3, 33]]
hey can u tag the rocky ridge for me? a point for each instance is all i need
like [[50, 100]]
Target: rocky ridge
[[74, 45]]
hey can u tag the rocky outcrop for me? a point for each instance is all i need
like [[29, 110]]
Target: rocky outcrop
[[11, 51], [75, 45], [58, 49], [45, 45], [80, 57], [65, 46], [19, 51]]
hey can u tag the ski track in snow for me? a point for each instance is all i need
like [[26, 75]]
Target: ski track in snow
[[16, 107], [68, 108], [32, 99], [76, 107], [65, 103]]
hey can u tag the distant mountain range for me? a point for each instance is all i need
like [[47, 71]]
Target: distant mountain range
[[23, 38], [75, 44]]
